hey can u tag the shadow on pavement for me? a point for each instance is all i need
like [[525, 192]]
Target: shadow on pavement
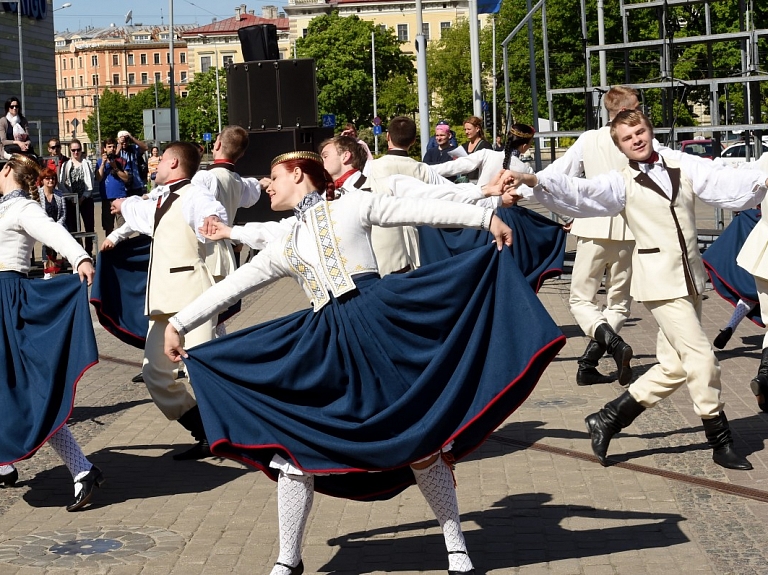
[[84, 413], [518, 530], [131, 476]]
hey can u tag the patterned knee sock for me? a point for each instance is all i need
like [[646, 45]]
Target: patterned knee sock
[[66, 446], [436, 484], [739, 313], [294, 501]]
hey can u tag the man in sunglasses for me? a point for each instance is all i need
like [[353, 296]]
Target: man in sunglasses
[[56, 159]]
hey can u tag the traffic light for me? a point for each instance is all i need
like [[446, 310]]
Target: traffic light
[[488, 120]]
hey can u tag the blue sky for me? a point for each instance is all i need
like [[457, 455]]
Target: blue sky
[[99, 13]]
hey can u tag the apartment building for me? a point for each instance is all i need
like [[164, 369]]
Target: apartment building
[[127, 59]]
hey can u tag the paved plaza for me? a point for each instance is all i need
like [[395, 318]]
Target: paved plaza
[[533, 499]]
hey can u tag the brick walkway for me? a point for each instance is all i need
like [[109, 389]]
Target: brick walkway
[[533, 499]]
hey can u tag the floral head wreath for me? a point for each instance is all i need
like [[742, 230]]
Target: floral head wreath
[[297, 156], [519, 134]]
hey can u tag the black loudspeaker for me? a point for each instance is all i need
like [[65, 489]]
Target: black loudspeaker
[[263, 146], [272, 94], [259, 42]]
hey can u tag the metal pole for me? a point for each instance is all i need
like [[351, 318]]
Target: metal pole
[[474, 55], [98, 124], [421, 71], [534, 91], [172, 115], [547, 83], [375, 107], [495, 128], [21, 60], [218, 91], [603, 65]]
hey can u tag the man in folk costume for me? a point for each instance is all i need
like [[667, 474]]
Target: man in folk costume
[[655, 194], [230, 190], [177, 275], [604, 247]]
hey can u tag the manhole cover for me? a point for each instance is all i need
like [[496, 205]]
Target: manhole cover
[[86, 547]]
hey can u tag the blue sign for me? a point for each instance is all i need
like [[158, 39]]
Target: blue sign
[[329, 120], [377, 130], [207, 137]]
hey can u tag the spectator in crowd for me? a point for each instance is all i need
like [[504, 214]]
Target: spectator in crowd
[[439, 154], [152, 163], [473, 129], [56, 160], [498, 146], [452, 140], [351, 131], [77, 177], [13, 130], [55, 207], [110, 170], [131, 151]]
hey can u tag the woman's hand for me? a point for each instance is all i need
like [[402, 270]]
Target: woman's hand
[[85, 271], [173, 347], [107, 245], [216, 230], [502, 233]]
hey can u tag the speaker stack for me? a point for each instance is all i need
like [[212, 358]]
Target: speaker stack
[[276, 101]]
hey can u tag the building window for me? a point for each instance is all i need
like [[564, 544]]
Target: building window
[[95, 101], [425, 30], [71, 63], [74, 102], [144, 78], [157, 57], [115, 59], [67, 125], [79, 61], [164, 36], [205, 63], [130, 59], [142, 38], [182, 57], [66, 103], [383, 28], [131, 79], [94, 79], [228, 60], [72, 81], [157, 78], [131, 96], [81, 81], [143, 59], [304, 33], [443, 27], [65, 83], [64, 61], [184, 94], [82, 101], [402, 32], [167, 57], [115, 79], [183, 77], [94, 60]]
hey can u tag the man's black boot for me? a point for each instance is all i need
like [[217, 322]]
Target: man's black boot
[[759, 384], [718, 434], [192, 421], [587, 373], [618, 348], [615, 416]]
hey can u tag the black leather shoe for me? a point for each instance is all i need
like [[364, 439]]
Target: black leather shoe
[[10, 479], [723, 338], [590, 376], [718, 432], [89, 483], [199, 450], [298, 570], [138, 378], [759, 386]]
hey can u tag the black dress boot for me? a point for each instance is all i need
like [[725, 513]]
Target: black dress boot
[[607, 422], [587, 373], [759, 384], [618, 348], [718, 434], [192, 421]]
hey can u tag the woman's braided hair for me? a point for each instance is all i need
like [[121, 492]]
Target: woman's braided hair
[[25, 172]]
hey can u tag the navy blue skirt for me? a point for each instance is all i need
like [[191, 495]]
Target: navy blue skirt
[[732, 282], [381, 377], [47, 345], [119, 290], [538, 245]]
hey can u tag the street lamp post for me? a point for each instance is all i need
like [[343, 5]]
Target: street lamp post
[[216, 68]]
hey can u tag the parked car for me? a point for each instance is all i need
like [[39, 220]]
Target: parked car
[[703, 148], [737, 153]]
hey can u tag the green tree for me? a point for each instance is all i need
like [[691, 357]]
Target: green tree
[[341, 48], [397, 96], [198, 112], [114, 115], [449, 74]]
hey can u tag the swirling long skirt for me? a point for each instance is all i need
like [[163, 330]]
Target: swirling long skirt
[[730, 281], [538, 246], [47, 345], [119, 290], [379, 378]]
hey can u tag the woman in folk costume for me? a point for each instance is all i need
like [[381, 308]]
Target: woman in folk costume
[[385, 375], [539, 242], [47, 334]]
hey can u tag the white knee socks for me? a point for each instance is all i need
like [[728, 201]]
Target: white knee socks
[[295, 494], [6, 469], [66, 446], [436, 484]]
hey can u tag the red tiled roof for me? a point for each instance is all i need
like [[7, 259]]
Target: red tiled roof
[[233, 24]]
